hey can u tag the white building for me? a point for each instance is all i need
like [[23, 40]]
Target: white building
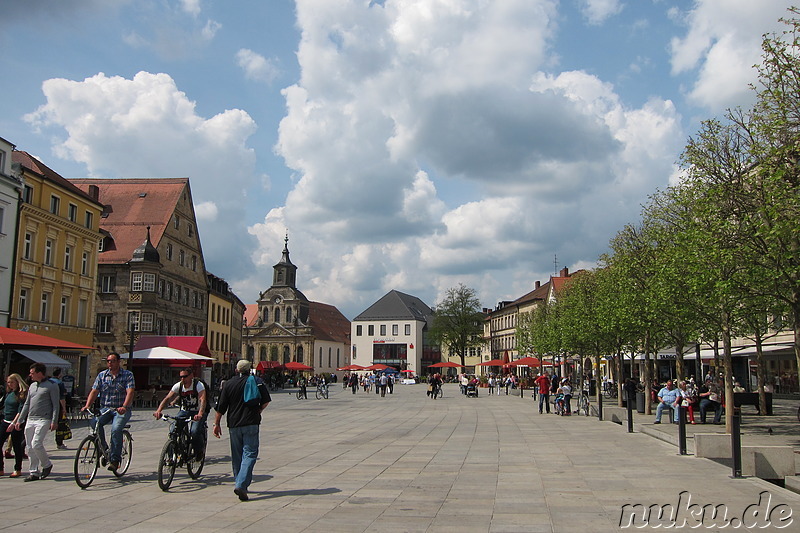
[[10, 189], [393, 331]]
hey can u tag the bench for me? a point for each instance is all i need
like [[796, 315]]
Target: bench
[[751, 398]]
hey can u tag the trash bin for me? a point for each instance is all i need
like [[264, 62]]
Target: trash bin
[[640, 402], [592, 388]]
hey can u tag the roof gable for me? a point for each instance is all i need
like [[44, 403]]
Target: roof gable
[[399, 306], [328, 323], [34, 165]]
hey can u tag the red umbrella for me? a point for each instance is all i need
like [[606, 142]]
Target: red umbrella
[[494, 362], [446, 364], [294, 365], [10, 338], [351, 367], [264, 365], [408, 371], [378, 366], [526, 361]]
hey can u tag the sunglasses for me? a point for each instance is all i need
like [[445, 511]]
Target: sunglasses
[[186, 376]]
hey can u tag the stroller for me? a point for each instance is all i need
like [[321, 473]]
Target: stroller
[[472, 390]]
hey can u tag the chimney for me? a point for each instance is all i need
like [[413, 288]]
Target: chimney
[[94, 192], [564, 272], [537, 284]]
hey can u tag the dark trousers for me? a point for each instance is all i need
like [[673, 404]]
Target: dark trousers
[[17, 443], [544, 399]]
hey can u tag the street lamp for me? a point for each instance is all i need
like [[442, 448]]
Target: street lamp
[[131, 330]]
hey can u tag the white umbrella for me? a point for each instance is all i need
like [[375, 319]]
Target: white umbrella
[[165, 352]]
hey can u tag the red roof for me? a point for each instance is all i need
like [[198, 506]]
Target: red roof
[[328, 323], [31, 163], [250, 315], [131, 206], [14, 338], [195, 345]]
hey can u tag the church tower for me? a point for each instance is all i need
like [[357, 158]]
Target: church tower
[[285, 273]]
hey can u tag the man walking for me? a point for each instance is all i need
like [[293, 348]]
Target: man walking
[[243, 420], [62, 416], [39, 415], [544, 392]]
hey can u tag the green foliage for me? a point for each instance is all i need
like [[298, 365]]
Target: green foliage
[[458, 321]]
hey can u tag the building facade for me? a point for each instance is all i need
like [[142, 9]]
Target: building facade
[[224, 335], [56, 259], [284, 326], [394, 331], [10, 192], [151, 272]]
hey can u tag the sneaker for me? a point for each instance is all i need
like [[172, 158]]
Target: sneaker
[[16, 473], [113, 466], [62, 446], [31, 478], [46, 471], [242, 494], [657, 422]]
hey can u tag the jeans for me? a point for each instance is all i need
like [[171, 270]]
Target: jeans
[[660, 410], [35, 431], [17, 442], [118, 422], [196, 430], [544, 398], [705, 405], [244, 453]]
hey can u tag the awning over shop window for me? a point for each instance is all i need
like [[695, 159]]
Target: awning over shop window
[[48, 359]]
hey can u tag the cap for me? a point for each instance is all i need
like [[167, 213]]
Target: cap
[[243, 366]]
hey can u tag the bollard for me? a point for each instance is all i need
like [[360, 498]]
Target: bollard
[[682, 430], [600, 407], [630, 415], [736, 444]]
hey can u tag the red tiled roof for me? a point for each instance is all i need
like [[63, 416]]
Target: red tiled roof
[[133, 204], [196, 345], [31, 163], [328, 323], [250, 315]]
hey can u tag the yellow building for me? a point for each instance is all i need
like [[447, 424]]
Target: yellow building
[[56, 269]]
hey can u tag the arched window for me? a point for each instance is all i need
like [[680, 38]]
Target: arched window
[[299, 354], [277, 314], [266, 316], [287, 356], [273, 353], [288, 315]]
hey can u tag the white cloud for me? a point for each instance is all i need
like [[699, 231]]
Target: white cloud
[[255, 66], [191, 6], [404, 107], [722, 43], [597, 11], [147, 127]]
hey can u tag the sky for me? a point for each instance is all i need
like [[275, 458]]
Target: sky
[[412, 145]]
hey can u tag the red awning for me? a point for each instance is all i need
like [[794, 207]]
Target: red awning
[[266, 365], [11, 338], [446, 364], [191, 344], [494, 362], [294, 365]]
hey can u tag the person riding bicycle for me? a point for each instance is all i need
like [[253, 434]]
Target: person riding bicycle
[[191, 394], [116, 390]]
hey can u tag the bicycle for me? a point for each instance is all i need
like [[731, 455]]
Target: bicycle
[[92, 453], [437, 393], [300, 394], [583, 403], [178, 452], [322, 391], [610, 390]]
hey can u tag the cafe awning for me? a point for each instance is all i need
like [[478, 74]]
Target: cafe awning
[[48, 359]]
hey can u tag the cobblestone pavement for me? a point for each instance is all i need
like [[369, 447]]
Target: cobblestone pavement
[[400, 463]]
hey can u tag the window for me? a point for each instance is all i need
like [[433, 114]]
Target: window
[[101, 244], [83, 305], [185, 296], [395, 329], [27, 250], [88, 220], [133, 321], [23, 304], [177, 294], [181, 257], [194, 299], [72, 212], [408, 329], [44, 314], [103, 323], [108, 283], [48, 252], [27, 194], [161, 288], [277, 314], [329, 357], [177, 222], [169, 252], [194, 263], [55, 204], [147, 322], [383, 330], [136, 281], [63, 314], [160, 326], [371, 330], [68, 258], [85, 264], [149, 283], [289, 314], [168, 294], [2, 218], [190, 230], [358, 331]]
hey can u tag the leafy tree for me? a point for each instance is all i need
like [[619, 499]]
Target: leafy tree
[[458, 321]]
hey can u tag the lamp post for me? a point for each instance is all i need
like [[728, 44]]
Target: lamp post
[[131, 331]]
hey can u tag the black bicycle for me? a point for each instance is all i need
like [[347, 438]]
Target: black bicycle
[[610, 389], [92, 453], [322, 391], [178, 451]]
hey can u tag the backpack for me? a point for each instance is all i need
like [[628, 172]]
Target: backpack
[[252, 396], [195, 381]]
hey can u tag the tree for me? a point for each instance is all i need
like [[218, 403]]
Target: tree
[[458, 321]]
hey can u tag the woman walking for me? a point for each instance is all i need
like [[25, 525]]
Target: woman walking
[[16, 391]]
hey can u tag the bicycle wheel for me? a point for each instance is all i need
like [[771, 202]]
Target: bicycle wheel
[[319, 394], [195, 465], [299, 395], [439, 393], [166, 465], [584, 405], [86, 459], [127, 453], [325, 393]]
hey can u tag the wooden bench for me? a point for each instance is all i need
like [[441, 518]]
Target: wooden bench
[[751, 398]]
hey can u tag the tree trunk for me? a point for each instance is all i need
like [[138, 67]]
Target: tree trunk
[[679, 370], [760, 375], [728, 365]]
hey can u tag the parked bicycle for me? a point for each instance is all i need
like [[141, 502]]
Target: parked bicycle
[[610, 389], [322, 391], [92, 453], [583, 402], [178, 451]]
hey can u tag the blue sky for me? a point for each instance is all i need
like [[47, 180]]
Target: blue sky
[[403, 144]]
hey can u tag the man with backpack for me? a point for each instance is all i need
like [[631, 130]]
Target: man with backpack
[[192, 397], [243, 398]]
